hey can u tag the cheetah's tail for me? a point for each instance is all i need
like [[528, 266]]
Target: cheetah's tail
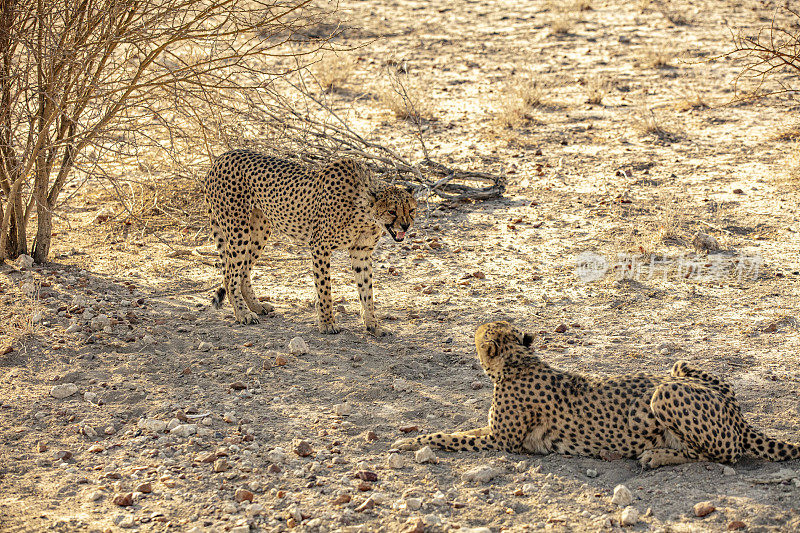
[[219, 298], [756, 444]]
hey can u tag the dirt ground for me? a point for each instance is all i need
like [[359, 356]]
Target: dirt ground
[[594, 232]]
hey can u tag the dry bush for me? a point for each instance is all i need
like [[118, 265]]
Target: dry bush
[[596, 88], [657, 57], [562, 23], [675, 15], [648, 123], [788, 134], [20, 313], [518, 98], [333, 70], [406, 98], [691, 100]]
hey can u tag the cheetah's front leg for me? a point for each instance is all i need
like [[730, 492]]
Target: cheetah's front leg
[[361, 261], [321, 257], [464, 441]]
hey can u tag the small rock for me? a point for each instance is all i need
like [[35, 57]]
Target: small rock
[[402, 385], [62, 455], [425, 455], [207, 457], [127, 522], [409, 429], [736, 525], [152, 424], [280, 360], [230, 418], [95, 448], [221, 465], [94, 495], [414, 525], [238, 385], [704, 242], [243, 495], [528, 489], [297, 346], [413, 503], [63, 391], [205, 346], [41, 447], [274, 469], [245, 528], [148, 340], [395, 461], [302, 448], [591, 472], [255, 509], [277, 455], [24, 261], [481, 474], [90, 397], [144, 488], [738, 191], [476, 385], [702, 509], [341, 499], [629, 516], [622, 496], [342, 409], [184, 430], [88, 431], [561, 328], [371, 436], [124, 500], [478, 275], [367, 475], [109, 430], [728, 471], [100, 322]]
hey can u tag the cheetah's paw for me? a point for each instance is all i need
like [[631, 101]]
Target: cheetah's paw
[[329, 329], [377, 331], [248, 317], [262, 308]]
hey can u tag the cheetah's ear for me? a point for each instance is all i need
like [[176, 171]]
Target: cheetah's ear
[[409, 188], [491, 349], [527, 340]]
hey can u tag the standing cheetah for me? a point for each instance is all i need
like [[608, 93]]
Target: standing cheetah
[[690, 415], [250, 195]]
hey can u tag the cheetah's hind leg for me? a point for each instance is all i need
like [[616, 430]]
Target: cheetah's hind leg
[[708, 432], [259, 233], [216, 234]]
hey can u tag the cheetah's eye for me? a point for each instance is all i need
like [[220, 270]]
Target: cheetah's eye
[[392, 213]]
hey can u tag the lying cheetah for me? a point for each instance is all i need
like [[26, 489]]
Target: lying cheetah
[[250, 195], [690, 415]]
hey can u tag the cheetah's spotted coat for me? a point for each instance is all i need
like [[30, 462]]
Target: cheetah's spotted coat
[[251, 195], [689, 415]]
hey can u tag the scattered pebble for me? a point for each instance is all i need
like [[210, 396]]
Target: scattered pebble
[[123, 500], [280, 360], [561, 328], [413, 503], [629, 516], [591, 473], [205, 346], [702, 509], [425, 455], [622, 496], [221, 465], [95, 448], [369, 503], [63, 391], [90, 397], [395, 461], [243, 495], [342, 409], [302, 448], [144, 488], [41, 447], [297, 346], [728, 471], [238, 385], [736, 525], [705, 243], [481, 474], [94, 495], [184, 430]]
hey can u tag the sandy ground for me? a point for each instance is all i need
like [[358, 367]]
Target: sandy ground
[[589, 181]]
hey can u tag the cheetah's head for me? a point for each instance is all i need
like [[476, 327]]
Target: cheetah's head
[[501, 346], [395, 209]]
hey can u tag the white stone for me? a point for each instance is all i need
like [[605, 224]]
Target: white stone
[[439, 499], [173, 423], [622, 496], [425, 455], [401, 385], [431, 520], [24, 261], [100, 322], [244, 528], [73, 327], [255, 509], [481, 474], [64, 390], [528, 489], [395, 460], [629, 516], [127, 522], [94, 495], [413, 503], [152, 424], [184, 430], [89, 431], [205, 346], [475, 530], [341, 409], [148, 340], [728, 471], [277, 455], [90, 397], [297, 346]]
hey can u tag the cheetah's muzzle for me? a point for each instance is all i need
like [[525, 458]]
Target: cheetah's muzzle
[[397, 236]]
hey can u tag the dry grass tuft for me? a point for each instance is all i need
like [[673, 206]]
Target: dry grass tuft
[[406, 99], [649, 124], [333, 70], [20, 312], [518, 99], [691, 101], [657, 57], [788, 134], [596, 88]]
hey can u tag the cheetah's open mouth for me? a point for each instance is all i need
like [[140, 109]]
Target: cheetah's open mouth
[[397, 236]]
